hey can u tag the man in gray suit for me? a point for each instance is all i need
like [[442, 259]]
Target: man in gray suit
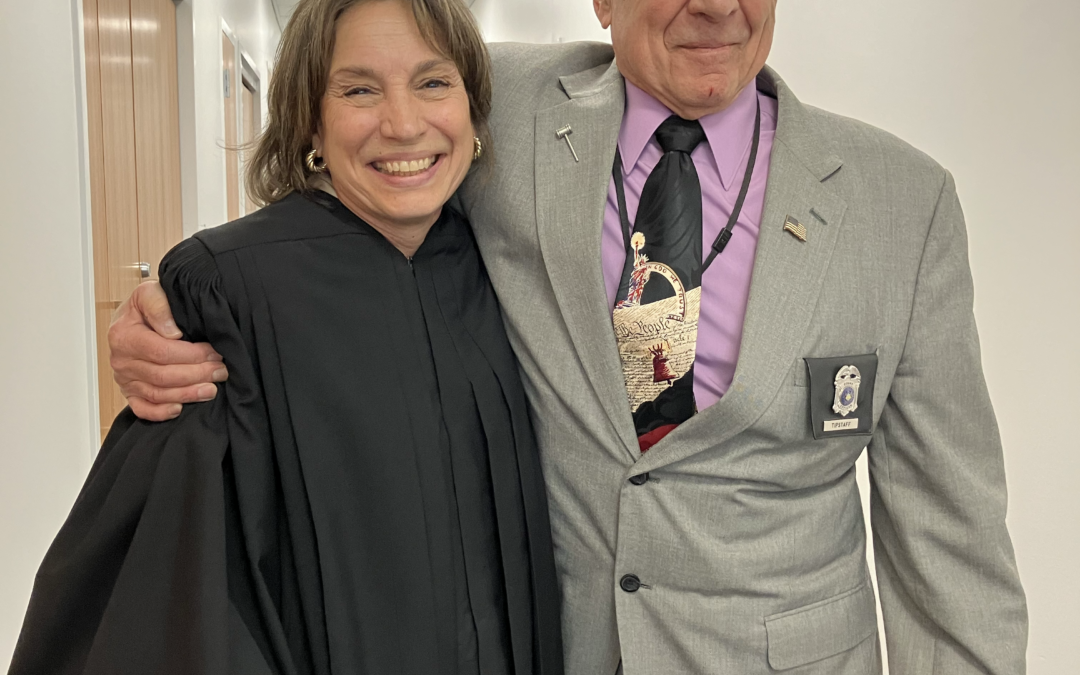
[[836, 316]]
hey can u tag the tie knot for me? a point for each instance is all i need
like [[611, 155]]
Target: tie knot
[[679, 135]]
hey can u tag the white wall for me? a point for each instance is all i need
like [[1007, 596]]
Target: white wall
[[253, 24], [538, 20], [46, 379], [991, 89]]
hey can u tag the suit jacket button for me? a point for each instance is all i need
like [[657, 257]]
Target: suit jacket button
[[640, 479], [630, 583]]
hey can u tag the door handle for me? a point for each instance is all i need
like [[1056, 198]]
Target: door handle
[[143, 267]]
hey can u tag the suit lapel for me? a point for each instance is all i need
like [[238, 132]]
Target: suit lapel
[[787, 278], [571, 197]]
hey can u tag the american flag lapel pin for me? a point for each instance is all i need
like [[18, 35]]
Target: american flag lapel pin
[[797, 229]]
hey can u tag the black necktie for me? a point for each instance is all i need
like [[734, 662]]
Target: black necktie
[[658, 362], [669, 213]]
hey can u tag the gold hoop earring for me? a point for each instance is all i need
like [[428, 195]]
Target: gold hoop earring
[[478, 149], [309, 161]]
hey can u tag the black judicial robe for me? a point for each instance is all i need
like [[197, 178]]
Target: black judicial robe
[[363, 497]]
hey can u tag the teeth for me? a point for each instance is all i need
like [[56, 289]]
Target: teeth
[[408, 168]]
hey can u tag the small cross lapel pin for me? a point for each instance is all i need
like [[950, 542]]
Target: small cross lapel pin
[[797, 229]]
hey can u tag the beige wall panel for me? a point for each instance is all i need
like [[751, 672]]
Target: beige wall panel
[[157, 128], [118, 133], [232, 160]]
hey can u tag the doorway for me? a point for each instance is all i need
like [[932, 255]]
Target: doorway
[[231, 96], [242, 122], [134, 142], [250, 126]]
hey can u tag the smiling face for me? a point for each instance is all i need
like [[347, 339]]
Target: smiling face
[[395, 130], [694, 56]]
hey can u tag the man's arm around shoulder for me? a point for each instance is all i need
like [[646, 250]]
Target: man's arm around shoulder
[[157, 371]]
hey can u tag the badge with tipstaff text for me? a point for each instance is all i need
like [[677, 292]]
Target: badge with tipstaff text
[[846, 399], [842, 395]]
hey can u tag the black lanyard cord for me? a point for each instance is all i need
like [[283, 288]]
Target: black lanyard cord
[[724, 237]]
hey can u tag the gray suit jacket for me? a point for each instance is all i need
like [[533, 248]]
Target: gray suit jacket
[[748, 536]]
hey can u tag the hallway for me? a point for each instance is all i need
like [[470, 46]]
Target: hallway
[[988, 89]]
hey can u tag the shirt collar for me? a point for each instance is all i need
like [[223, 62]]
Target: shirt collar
[[729, 131]]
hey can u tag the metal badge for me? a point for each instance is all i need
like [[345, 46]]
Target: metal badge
[[846, 398], [797, 229]]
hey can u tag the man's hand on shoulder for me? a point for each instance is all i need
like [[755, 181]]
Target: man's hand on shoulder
[[156, 370]]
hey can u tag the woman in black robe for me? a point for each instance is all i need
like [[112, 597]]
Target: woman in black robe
[[364, 495]]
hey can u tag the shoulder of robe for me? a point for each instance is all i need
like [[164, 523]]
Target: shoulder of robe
[[294, 218], [192, 281]]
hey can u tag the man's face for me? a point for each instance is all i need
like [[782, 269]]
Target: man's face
[[694, 56]]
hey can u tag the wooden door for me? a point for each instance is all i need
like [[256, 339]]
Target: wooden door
[[157, 128], [134, 143], [232, 161]]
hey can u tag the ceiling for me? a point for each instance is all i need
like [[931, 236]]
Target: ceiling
[[284, 9]]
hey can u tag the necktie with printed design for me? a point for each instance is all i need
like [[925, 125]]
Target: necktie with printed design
[[658, 350]]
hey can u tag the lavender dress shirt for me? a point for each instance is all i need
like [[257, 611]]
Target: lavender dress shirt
[[721, 163]]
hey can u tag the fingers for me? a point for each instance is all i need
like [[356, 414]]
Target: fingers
[[169, 377], [143, 330], [158, 396], [137, 342], [150, 301], [154, 413], [158, 386]]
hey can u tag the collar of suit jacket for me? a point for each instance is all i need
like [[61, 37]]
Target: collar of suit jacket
[[794, 127]]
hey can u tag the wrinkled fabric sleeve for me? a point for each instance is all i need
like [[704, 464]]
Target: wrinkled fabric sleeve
[[950, 592], [135, 581]]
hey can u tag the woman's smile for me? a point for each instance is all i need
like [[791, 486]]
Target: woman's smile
[[407, 167]]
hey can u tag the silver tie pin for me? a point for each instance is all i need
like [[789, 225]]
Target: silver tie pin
[[564, 134], [797, 229]]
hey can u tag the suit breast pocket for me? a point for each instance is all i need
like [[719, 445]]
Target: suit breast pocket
[[841, 395], [825, 629]]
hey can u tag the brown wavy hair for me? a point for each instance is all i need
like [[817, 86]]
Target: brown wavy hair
[[276, 166]]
